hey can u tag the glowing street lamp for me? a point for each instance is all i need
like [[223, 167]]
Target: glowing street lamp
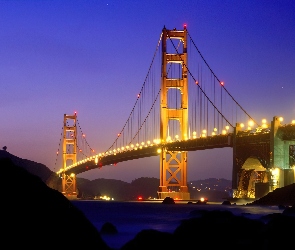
[[204, 133], [264, 124], [194, 135]]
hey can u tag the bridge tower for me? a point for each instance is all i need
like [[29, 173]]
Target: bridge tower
[[69, 154], [173, 164]]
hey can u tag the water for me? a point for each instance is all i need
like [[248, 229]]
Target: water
[[131, 217]]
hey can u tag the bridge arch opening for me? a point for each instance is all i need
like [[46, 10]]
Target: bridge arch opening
[[174, 70], [174, 98], [174, 132], [253, 178], [174, 45]]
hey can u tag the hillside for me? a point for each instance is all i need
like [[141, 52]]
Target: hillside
[[33, 167], [146, 187]]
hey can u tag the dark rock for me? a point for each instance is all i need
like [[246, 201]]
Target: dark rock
[[151, 239], [168, 200], [38, 217], [220, 224], [108, 228], [280, 196], [268, 217], [226, 203], [278, 231], [34, 168]]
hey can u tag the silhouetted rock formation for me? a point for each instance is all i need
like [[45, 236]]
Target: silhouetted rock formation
[[35, 168], [168, 200], [227, 203], [280, 196], [151, 239], [38, 217], [218, 229]]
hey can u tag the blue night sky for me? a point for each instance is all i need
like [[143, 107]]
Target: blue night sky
[[58, 57]]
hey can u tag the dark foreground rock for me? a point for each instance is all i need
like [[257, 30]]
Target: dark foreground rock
[[151, 239], [168, 200], [35, 216], [219, 229], [284, 196]]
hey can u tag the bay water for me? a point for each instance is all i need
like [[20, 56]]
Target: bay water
[[131, 217]]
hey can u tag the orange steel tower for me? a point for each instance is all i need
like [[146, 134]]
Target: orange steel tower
[[69, 154], [173, 164]]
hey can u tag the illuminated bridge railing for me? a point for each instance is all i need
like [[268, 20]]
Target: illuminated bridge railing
[[209, 142], [285, 132], [253, 139]]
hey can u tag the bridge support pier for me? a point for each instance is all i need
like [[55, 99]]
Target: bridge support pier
[[69, 188], [173, 165]]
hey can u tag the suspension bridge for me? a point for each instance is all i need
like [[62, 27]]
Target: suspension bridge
[[182, 106]]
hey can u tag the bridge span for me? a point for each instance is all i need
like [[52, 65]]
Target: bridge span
[[274, 149], [180, 105]]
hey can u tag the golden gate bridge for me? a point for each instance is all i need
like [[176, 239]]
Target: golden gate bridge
[[183, 106]]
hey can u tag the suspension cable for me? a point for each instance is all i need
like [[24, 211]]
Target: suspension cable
[[57, 152], [132, 111], [201, 87], [84, 136], [219, 80]]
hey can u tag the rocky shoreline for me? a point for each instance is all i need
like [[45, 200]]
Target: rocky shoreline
[[38, 216]]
